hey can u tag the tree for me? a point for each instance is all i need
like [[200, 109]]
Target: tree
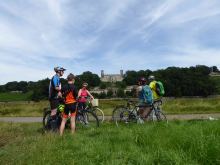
[[102, 95], [120, 93], [92, 79], [11, 86], [103, 85], [110, 93]]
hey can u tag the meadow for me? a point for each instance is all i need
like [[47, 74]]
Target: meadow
[[185, 142], [7, 97], [170, 106]]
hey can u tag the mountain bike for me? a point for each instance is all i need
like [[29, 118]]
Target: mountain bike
[[131, 113], [84, 118]]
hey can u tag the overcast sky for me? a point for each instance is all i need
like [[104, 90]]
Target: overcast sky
[[90, 35]]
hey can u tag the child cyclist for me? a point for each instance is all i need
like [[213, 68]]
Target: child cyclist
[[83, 95], [69, 94]]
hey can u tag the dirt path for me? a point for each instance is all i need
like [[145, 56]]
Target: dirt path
[[212, 116]]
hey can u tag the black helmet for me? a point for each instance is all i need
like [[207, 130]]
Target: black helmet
[[142, 80], [57, 69], [70, 77]]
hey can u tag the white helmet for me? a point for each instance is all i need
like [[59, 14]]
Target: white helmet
[[57, 69], [151, 77]]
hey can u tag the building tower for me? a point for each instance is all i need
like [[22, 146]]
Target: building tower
[[102, 74], [121, 73]]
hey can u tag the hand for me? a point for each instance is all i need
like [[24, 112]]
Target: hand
[[59, 94]]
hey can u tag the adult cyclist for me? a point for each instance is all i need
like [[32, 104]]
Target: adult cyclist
[[55, 90], [145, 97], [152, 85]]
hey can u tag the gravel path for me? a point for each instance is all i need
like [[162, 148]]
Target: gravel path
[[212, 116]]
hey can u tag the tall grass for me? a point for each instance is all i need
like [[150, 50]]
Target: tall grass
[[175, 143], [170, 106], [26, 108]]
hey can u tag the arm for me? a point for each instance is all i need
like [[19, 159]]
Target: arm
[[79, 93], [57, 85], [75, 93], [90, 95], [138, 90]]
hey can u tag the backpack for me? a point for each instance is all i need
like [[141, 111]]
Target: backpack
[[159, 88], [147, 94]]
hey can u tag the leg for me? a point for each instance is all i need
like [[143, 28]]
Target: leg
[[64, 119], [62, 126], [54, 104], [53, 112], [146, 112], [73, 124], [73, 118]]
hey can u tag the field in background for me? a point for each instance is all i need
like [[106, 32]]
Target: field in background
[[7, 97], [192, 142], [170, 106]]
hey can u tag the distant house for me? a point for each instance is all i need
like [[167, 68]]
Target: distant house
[[214, 74], [111, 77]]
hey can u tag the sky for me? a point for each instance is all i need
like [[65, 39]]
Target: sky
[[109, 35]]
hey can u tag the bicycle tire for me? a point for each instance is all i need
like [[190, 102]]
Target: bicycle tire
[[99, 113], [161, 116], [115, 112], [87, 119], [126, 117], [47, 125], [46, 117]]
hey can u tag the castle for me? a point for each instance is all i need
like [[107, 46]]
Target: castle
[[111, 77]]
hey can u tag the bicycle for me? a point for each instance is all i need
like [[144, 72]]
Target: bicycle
[[131, 113], [93, 106], [84, 118]]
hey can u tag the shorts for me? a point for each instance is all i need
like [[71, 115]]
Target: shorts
[[143, 104], [69, 108], [54, 103]]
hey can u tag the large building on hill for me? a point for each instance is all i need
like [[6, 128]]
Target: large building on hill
[[111, 77]]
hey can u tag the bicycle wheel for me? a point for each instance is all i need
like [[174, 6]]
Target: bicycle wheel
[[116, 112], [86, 118], [161, 116], [99, 113], [46, 119], [49, 123], [125, 117]]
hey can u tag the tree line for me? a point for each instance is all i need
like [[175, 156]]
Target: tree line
[[192, 81]]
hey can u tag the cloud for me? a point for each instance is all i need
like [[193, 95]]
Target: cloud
[[111, 35]]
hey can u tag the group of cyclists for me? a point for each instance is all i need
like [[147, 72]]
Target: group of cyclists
[[147, 94], [69, 95], [74, 99]]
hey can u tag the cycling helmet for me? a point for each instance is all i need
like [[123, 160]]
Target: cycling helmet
[[57, 69], [70, 77], [85, 84], [142, 80], [151, 77]]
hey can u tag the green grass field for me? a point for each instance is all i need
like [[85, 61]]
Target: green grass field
[[170, 106], [192, 142], [15, 96]]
